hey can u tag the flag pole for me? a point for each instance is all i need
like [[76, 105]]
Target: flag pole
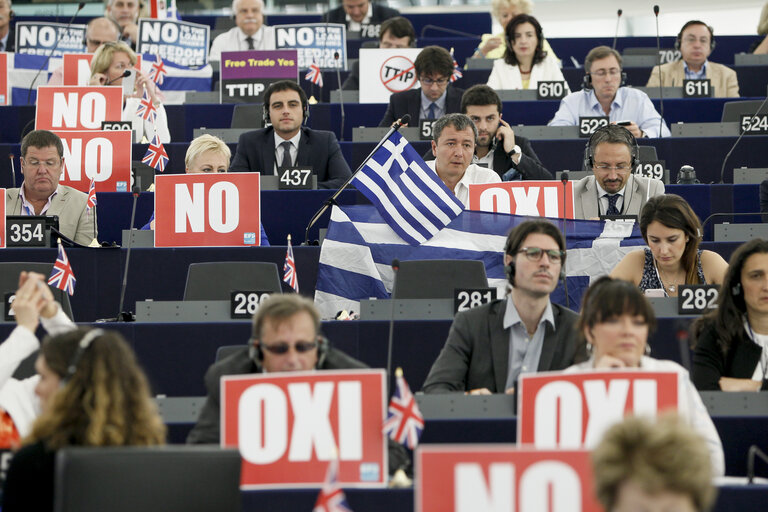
[[332, 200]]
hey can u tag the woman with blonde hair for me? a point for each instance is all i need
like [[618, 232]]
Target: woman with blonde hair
[[108, 66], [92, 393], [494, 46]]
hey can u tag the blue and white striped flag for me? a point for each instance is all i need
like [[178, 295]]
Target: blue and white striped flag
[[408, 194], [359, 247]]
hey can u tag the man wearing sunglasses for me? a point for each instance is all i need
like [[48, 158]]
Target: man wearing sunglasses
[[488, 347], [435, 98], [286, 338], [611, 155]]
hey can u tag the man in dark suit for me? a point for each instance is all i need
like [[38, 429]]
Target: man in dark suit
[[7, 37], [435, 98], [286, 338], [498, 147], [488, 347], [361, 17], [287, 144]]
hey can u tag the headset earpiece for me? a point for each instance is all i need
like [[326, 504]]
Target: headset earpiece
[[589, 155], [586, 82], [82, 345], [323, 346]]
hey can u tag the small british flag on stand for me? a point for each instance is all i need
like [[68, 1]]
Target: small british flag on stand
[[156, 156], [331, 497], [146, 109], [289, 269], [91, 196], [314, 74], [404, 423], [456, 69], [62, 276], [157, 72]]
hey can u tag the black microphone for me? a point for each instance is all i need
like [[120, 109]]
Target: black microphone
[[127, 316], [341, 98], [13, 170], [125, 74], [564, 180], [395, 269], [401, 122], [56, 45], [754, 116], [754, 451], [616, 36], [658, 59], [682, 343], [449, 31]]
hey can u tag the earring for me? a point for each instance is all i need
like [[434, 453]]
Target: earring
[[736, 290], [589, 349], [647, 349]]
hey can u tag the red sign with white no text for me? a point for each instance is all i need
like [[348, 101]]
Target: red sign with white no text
[[289, 425], [77, 108], [207, 210], [104, 156]]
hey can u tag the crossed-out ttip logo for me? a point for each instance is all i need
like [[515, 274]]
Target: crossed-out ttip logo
[[398, 74]]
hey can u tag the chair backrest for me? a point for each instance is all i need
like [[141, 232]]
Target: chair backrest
[[733, 110], [9, 281], [225, 351], [437, 279], [133, 478], [217, 280], [247, 116]]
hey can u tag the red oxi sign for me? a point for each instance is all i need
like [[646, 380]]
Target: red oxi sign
[[104, 156], [207, 210], [64, 107], [531, 198], [289, 425], [76, 69], [496, 478], [573, 410]]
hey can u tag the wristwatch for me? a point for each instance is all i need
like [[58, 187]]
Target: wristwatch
[[515, 150]]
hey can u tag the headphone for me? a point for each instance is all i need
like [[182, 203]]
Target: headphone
[[586, 82], [82, 346], [679, 39], [589, 154], [256, 353], [281, 84]]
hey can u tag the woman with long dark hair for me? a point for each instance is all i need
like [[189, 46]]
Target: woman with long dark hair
[[731, 351]]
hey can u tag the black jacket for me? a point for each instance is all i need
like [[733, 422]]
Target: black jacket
[[409, 102], [710, 363]]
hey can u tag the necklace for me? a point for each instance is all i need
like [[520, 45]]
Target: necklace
[[672, 287]]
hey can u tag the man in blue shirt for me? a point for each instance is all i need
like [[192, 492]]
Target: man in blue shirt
[[605, 95]]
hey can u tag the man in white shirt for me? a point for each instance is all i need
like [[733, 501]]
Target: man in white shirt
[[453, 143], [250, 32]]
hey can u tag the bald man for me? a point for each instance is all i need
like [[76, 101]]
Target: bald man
[[99, 31]]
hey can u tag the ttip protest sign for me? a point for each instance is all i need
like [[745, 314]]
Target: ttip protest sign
[[104, 156], [573, 410], [64, 107], [502, 478], [207, 210], [533, 198], [289, 425]]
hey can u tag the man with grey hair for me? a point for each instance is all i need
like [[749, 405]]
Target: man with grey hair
[[6, 34], [453, 143], [250, 32], [126, 14]]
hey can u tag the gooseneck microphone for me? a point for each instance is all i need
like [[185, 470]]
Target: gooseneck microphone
[[127, 316], [13, 170], [564, 176], [125, 74], [332, 200], [341, 94], [50, 54], [616, 35], [658, 59], [395, 269], [728, 155]]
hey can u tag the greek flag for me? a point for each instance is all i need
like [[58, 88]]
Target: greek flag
[[360, 245], [408, 194]]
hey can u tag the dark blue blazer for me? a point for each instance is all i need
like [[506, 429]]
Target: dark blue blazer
[[379, 14], [409, 102], [318, 148]]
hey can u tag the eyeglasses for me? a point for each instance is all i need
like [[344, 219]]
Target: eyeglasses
[[283, 347], [428, 81], [603, 72], [535, 254], [96, 42], [48, 164], [619, 167]]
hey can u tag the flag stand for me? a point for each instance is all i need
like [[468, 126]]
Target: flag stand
[[332, 200]]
